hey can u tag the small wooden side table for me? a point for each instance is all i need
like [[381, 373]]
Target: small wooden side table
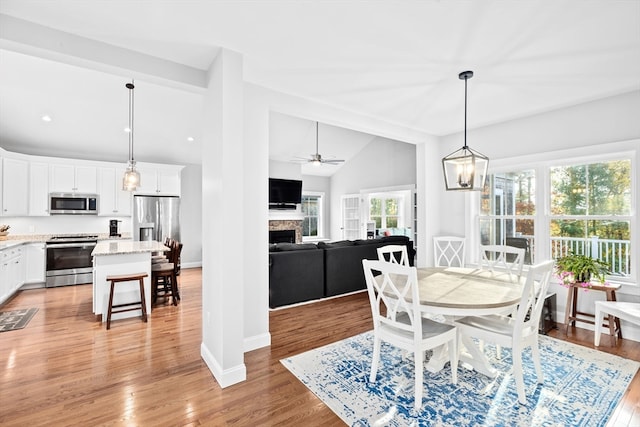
[[572, 314]]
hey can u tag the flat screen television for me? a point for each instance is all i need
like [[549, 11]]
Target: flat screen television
[[284, 192]]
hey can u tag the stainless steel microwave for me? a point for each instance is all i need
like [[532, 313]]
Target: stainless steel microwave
[[73, 204]]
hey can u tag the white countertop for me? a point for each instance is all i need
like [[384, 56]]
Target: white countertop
[[24, 239], [6, 244], [127, 247]]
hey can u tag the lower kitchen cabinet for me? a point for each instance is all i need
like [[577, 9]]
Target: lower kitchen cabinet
[[35, 263], [12, 272]]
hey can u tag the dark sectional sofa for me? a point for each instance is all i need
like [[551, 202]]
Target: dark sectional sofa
[[306, 271]]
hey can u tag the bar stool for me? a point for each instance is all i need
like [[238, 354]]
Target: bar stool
[[121, 308]]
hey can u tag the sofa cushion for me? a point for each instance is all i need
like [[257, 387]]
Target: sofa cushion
[[367, 242], [283, 247], [339, 244], [396, 239]]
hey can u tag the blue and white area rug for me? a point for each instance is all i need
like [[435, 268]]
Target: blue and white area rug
[[581, 387]]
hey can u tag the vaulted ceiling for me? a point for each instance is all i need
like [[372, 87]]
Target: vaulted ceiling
[[394, 61]]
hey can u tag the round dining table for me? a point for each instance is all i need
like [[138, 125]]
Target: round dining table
[[455, 292]]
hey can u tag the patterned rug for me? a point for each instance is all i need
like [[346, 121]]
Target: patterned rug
[[17, 319], [581, 387]]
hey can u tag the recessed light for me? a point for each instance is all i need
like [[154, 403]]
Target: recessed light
[[46, 118], [127, 129], [190, 139]]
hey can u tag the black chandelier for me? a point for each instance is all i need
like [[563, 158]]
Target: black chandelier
[[465, 169]]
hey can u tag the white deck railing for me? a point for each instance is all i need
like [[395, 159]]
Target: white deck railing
[[614, 252]]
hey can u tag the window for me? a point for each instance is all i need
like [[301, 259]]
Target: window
[[507, 211], [312, 212], [385, 212], [590, 212], [586, 209]]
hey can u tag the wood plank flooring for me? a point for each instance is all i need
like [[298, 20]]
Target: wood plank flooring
[[65, 368]]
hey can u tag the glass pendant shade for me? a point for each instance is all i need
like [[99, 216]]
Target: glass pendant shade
[[131, 179], [465, 169]]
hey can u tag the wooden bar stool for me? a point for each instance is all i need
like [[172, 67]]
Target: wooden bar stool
[[121, 308]]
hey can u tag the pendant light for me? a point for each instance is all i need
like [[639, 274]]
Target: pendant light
[[131, 179], [465, 169]]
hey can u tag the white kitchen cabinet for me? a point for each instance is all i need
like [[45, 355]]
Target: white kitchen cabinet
[[38, 189], [11, 272], [113, 200], [15, 185], [69, 178], [35, 259], [155, 181]]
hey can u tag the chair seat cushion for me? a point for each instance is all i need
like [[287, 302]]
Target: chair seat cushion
[[495, 323], [167, 266], [430, 328]]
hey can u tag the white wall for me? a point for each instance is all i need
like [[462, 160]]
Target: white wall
[[284, 170], [191, 216], [382, 163]]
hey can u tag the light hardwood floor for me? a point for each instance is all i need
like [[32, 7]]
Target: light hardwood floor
[[66, 369]]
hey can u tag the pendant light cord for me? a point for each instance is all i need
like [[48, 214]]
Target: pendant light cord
[[130, 86], [465, 112]]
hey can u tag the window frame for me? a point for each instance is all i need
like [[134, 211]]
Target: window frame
[[400, 202], [320, 217], [541, 164]]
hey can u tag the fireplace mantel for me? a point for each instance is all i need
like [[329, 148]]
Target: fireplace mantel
[[285, 215]]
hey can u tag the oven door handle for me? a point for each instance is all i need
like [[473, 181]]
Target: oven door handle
[[70, 245]]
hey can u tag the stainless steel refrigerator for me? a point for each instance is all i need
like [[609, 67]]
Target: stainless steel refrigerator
[[156, 218]]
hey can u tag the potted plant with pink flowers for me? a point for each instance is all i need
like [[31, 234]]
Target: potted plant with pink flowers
[[574, 268]]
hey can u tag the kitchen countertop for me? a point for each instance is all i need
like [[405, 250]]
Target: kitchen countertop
[[15, 240], [127, 247], [6, 244]]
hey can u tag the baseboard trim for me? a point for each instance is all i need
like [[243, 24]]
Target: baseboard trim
[[225, 378], [257, 341], [195, 264], [316, 300]]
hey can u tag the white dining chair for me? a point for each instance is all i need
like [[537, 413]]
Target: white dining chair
[[395, 307], [448, 251], [502, 260], [395, 254], [516, 332], [499, 259], [629, 311]]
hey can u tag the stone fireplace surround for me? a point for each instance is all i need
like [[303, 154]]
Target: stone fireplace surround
[[287, 224]]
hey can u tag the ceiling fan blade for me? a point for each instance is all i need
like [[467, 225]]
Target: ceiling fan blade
[[332, 161]]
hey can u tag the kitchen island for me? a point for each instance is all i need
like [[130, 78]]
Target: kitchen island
[[122, 257]]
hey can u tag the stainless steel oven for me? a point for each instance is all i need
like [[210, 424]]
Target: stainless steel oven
[[69, 260]]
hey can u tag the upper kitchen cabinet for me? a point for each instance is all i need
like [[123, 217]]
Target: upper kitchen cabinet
[[15, 186], [160, 181], [69, 178], [38, 189], [113, 200]]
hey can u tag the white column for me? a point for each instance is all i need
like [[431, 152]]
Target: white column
[[223, 234]]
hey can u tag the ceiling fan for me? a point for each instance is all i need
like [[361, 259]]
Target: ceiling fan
[[316, 159]]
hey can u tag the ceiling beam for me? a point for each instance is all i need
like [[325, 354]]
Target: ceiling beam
[[36, 40]]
